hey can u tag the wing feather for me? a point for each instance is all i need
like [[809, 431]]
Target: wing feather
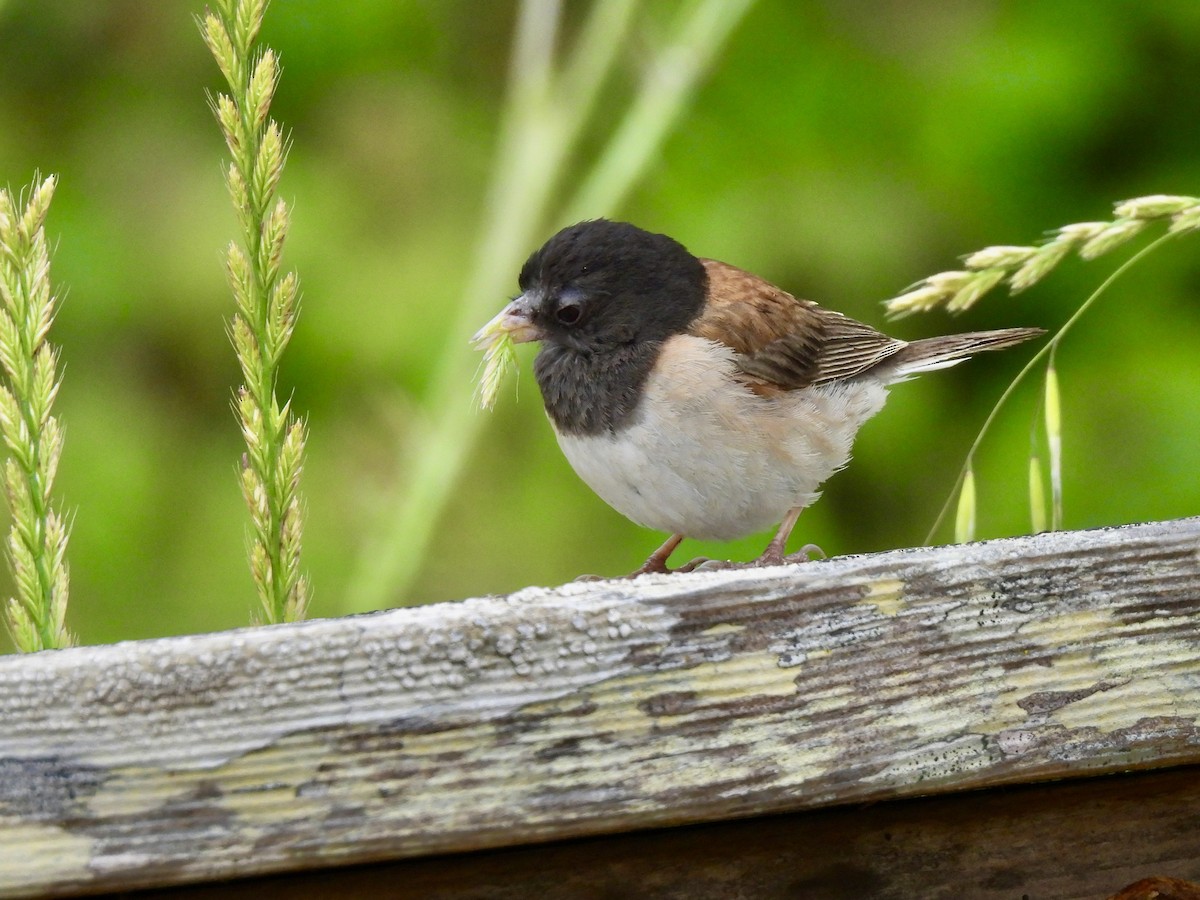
[[782, 343]]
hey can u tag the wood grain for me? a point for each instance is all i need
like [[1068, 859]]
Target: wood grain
[[1078, 840], [600, 707]]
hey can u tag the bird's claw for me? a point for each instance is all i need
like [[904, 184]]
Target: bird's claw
[[775, 557], [807, 553], [772, 556], [657, 567]]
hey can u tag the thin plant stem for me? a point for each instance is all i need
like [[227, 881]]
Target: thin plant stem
[[703, 29], [1029, 366], [530, 148], [588, 67]]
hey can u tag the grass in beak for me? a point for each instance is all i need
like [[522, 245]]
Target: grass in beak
[[499, 355]]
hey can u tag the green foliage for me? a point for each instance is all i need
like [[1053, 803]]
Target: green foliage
[[841, 150]]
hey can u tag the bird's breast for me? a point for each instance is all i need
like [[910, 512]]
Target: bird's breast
[[703, 456]]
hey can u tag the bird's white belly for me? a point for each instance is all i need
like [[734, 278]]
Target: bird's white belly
[[707, 458]]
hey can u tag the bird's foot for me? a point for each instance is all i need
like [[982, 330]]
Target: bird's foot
[[657, 563], [650, 567], [770, 557], [654, 566], [774, 556]]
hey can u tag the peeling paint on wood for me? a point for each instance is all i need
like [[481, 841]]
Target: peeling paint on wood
[[598, 707]]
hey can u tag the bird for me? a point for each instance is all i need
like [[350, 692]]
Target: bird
[[694, 397]]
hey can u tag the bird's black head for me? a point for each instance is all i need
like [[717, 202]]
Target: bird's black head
[[602, 297], [600, 285]]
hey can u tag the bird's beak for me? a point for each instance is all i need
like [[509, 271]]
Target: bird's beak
[[514, 321]]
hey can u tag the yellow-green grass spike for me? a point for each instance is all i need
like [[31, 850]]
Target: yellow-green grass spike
[[1053, 405], [1037, 496], [964, 521]]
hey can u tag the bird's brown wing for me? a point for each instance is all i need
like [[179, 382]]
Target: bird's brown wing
[[782, 343]]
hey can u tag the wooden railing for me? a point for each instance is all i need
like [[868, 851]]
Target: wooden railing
[[605, 707]]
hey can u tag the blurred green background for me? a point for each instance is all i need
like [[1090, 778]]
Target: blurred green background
[[840, 149]]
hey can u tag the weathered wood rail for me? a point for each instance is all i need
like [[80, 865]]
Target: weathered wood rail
[[601, 707]]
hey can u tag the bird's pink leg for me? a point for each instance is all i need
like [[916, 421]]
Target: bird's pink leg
[[774, 554], [658, 559]]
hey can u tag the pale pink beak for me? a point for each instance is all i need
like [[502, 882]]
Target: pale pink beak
[[515, 320]]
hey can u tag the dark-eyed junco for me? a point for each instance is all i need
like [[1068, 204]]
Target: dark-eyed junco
[[694, 397]]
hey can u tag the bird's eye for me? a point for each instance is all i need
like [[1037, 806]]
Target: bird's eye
[[568, 313]]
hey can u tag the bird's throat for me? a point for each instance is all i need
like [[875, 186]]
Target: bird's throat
[[590, 393]]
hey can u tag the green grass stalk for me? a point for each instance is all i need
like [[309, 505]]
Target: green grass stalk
[[702, 29], [267, 302], [1023, 267], [37, 542], [1042, 354]]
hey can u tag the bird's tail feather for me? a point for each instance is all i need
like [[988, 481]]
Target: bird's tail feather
[[939, 352]]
